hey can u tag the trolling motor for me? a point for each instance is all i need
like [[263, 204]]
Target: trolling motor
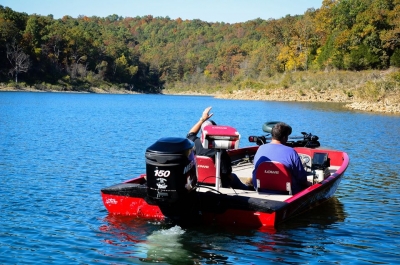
[[307, 140]]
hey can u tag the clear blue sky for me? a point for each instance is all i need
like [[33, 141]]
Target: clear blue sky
[[229, 11]]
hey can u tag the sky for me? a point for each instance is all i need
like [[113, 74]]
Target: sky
[[228, 11]]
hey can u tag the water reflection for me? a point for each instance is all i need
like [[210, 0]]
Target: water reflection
[[329, 213], [58, 150], [121, 229], [158, 242], [143, 240]]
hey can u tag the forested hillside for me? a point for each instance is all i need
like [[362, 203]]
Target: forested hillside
[[148, 54]]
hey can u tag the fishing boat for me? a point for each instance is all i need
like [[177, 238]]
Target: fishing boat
[[182, 187]]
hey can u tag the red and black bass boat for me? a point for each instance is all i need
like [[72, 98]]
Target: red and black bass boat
[[183, 187]]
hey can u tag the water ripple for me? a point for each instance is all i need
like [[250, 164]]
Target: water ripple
[[58, 150]]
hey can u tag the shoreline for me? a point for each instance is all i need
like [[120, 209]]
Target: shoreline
[[287, 95], [290, 95]]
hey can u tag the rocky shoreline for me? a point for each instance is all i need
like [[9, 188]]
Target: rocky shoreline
[[385, 106]]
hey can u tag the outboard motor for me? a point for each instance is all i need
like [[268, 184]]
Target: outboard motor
[[171, 170]]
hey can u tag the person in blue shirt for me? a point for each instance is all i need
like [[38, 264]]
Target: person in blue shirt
[[277, 151], [228, 179]]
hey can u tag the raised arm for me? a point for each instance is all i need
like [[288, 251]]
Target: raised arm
[[205, 116]]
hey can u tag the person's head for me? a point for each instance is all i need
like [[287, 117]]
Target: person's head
[[206, 123], [281, 132]]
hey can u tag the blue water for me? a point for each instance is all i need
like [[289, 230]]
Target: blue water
[[58, 150]]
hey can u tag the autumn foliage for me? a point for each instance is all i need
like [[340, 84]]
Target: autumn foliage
[[147, 54]]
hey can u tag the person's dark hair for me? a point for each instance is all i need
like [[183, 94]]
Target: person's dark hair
[[280, 131]]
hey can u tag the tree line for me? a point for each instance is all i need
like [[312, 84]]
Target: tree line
[[147, 54]]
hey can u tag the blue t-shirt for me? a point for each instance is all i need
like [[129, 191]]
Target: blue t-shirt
[[286, 156]]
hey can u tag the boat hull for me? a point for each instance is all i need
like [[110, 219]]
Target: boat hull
[[242, 208]]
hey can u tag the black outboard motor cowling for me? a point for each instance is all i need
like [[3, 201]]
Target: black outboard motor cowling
[[171, 170]]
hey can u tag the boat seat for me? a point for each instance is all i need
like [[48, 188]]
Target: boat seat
[[205, 169], [273, 176]]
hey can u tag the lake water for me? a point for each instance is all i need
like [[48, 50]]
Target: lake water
[[58, 150]]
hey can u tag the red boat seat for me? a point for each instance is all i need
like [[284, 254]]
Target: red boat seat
[[205, 169], [273, 176]]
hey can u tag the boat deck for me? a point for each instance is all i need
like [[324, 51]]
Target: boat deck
[[244, 172], [245, 193]]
